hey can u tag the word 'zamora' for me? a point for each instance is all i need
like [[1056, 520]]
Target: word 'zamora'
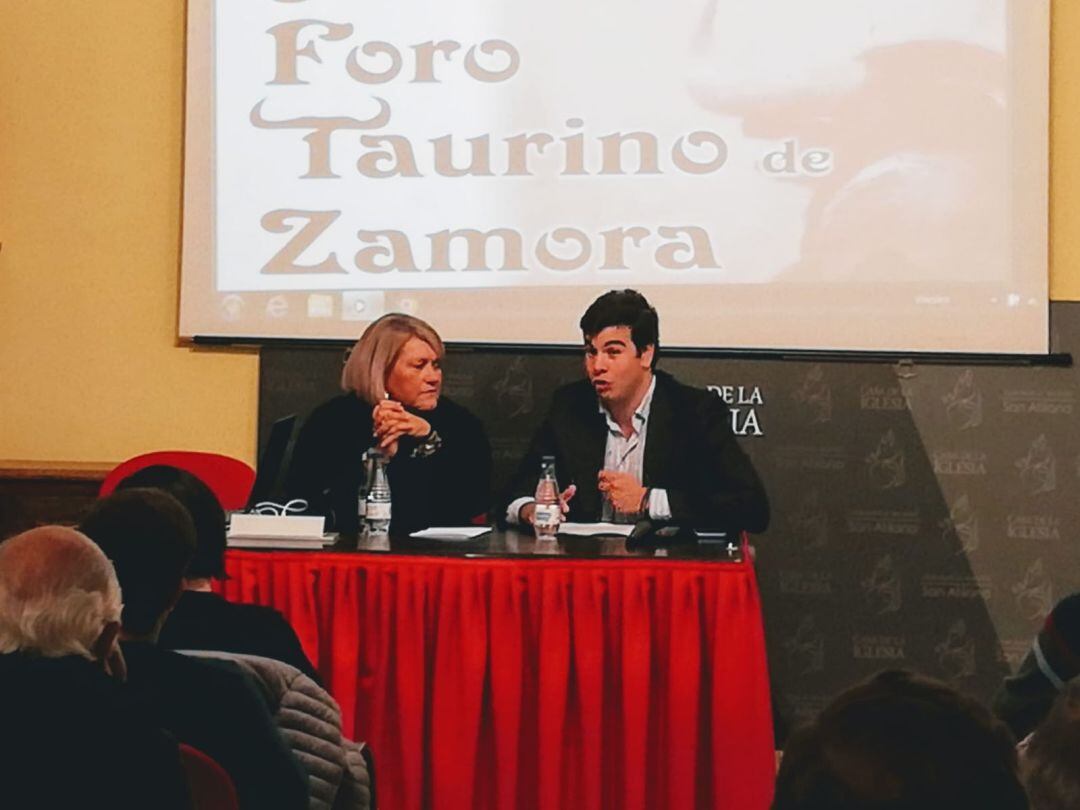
[[680, 247]]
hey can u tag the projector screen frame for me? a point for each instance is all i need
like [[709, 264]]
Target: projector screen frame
[[198, 233]]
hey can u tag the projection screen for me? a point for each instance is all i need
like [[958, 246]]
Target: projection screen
[[842, 174]]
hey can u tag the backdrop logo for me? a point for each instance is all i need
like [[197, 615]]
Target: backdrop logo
[[962, 525], [514, 390], [882, 587], [743, 402], [815, 395], [956, 652], [811, 459], [878, 648], [806, 583], [964, 404], [959, 462], [885, 465], [1038, 468], [1034, 593], [1033, 527], [876, 397], [809, 522], [806, 708], [953, 587], [870, 521], [1041, 402], [806, 648]]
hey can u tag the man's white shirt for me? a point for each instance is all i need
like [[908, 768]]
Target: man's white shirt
[[621, 454]]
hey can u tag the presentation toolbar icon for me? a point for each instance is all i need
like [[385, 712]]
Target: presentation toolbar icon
[[277, 307], [362, 305], [232, 306], [320, 305]]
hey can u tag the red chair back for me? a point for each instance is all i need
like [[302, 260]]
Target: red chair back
[[229, 478], [211, 788]]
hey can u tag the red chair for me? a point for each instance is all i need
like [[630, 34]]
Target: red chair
[[229, 478], [211, 788]]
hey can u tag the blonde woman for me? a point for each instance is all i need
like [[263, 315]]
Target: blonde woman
[[440, 457]]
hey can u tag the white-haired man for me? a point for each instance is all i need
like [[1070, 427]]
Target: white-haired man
[[70, 735]]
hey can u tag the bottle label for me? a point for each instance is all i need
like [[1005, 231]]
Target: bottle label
[[378, 511], [546, 514]]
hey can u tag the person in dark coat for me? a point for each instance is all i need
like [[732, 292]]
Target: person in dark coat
[[150, 537], [439, 455], [202, 619], [71, 735], [901, 741], [1025, 698]]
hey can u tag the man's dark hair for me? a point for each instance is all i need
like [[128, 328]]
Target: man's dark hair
[[149, 536], [1051, 760], [624, 308], [900, 741], [203, 506]]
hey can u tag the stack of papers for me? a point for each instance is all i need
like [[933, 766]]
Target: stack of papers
[[596, 529], [451, 532], [263, 541]]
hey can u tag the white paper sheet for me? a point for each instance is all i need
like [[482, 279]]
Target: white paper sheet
[[595, 529], [451, 532]]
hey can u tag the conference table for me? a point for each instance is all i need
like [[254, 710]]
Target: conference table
[[493, 673]]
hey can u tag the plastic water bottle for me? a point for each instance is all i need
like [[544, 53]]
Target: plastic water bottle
[[377, 507], [366, 467], [548, 514]]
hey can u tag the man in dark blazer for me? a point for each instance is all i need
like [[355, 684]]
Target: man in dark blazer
[[213, 706], [633, 442]]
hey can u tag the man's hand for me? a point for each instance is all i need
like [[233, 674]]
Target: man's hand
[[391, 421], [622, 490], [528, 511]]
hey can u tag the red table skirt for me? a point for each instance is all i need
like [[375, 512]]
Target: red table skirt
[[502, 683]]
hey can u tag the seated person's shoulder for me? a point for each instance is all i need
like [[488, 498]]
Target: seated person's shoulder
[[259, 618], [68, 681], [1067, 611], [689, 399], [68, 710], [1064, 622], [154, 666]]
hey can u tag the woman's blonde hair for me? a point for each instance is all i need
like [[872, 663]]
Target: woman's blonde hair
[[377, 350]]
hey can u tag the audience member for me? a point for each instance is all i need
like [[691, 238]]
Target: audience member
[[901, 742], [201, 619], [70, 736], [1050, 761], [1054, 658], [150, 538]]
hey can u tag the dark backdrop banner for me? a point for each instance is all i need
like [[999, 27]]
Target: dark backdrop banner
[[924, 516]]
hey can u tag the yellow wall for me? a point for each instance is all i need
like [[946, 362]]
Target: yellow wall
[[1065, 152], [90, 156]]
